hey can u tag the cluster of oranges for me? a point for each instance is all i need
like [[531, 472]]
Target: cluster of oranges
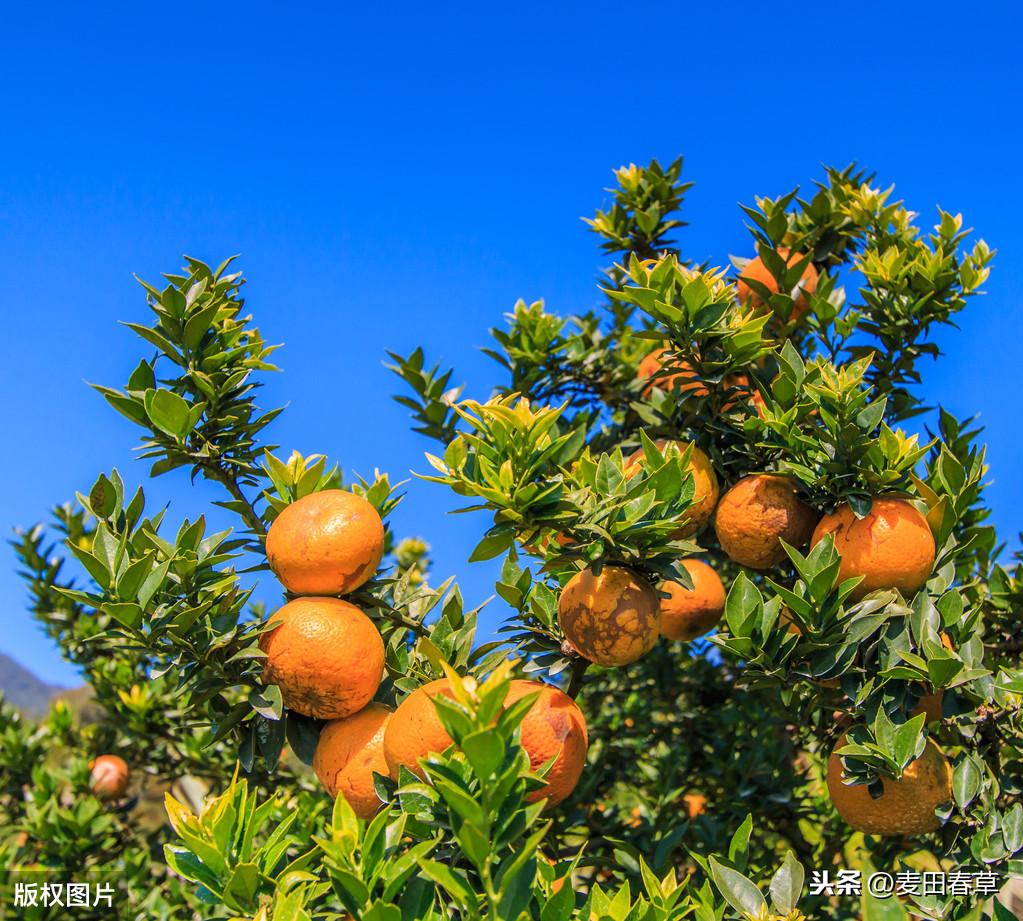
[[327, 657], [614, 617]]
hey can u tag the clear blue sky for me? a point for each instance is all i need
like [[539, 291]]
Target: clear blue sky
[[396, 174]]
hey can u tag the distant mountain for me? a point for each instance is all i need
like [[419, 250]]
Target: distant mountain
[[23, 689]]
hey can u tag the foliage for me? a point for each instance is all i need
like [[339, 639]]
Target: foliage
[[703, 794]]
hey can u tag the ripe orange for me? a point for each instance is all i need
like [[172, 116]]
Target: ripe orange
[[326, 543], [906, 807], [892, 547], [933, 704], [108, 777], [326, 656], [611, 619], [349, 753], [414, 730], [687, 614], [747, 393], [684, 378], [554, 727], [705, 482], [696, 804], [757, 271], [756, 514]]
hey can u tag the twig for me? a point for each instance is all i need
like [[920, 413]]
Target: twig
[[575, 681]]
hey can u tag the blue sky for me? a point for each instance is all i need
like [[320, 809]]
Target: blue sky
[[400, 174]]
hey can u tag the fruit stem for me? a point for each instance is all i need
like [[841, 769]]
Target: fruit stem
[[575, 681]]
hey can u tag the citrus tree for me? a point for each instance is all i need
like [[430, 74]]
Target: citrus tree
[[757, 632]]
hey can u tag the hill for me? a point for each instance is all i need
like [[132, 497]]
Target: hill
[[23, 689]]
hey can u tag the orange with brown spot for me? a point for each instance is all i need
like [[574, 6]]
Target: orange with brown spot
[[327, 543], [906, 806], [756, 515], [689, 613], [349, 752], [892, 547], [611, 619], [326, 656]]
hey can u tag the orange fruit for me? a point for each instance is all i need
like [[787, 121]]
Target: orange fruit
[[684, 378], [756, 514], [326, 543], [696, 804], [414, 730], [757, 271], [108, 777], [747, 393], [705, 482], [554, 727], [611, 619], [933, 704], [350, 751], [892, 547], [326, 656], [689, 613], [906, 807]]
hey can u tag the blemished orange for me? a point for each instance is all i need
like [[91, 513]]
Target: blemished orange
[[350, 751], [327, 543], [756, 514], [108, 777], [906, 807], [611, 619], [682, 378], [705, 483], [554, 727], [756, 270], [892, 547], [326, 656], [689, 613]]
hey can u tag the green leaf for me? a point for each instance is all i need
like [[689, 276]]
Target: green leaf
[[451, 881], [787, 884], [966, 780], [168, 412], [485, 752], [1012, 828], [103, 497], [303, 734], [738, 891], [738, 847], [126, 613], [492, 545], [878, 909], [267, 701], [242, 886], [93, 565]]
